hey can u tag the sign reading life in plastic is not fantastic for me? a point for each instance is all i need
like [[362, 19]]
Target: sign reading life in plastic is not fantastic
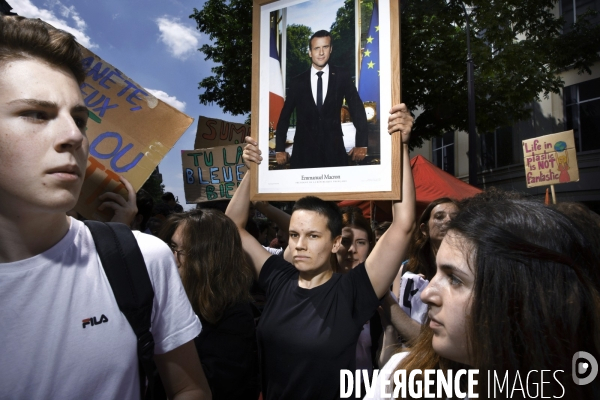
[[130, 131], [550, 159]]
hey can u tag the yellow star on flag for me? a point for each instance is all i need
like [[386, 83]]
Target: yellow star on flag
[[367, 53], [369, 39], [371, 65], [376, 29]]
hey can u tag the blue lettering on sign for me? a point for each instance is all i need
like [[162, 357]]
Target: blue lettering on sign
[[95, 72], [189, 175], [133, 95], [116, 154], [227, 177], [100, 138], [87, 62], [213, 175], [90, 102], [108, 76], [200, 180], [239, 174], [105, 76]]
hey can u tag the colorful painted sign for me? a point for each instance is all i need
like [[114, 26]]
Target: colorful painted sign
[[550, 159], [213, 173], [213, 132], [129, 130]]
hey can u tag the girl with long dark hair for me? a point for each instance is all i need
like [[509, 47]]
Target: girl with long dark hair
[[516, 290]]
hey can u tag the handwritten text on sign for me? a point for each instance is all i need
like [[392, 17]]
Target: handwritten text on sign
[[213, 173], [129, 130], [550, 159], [213, 132]]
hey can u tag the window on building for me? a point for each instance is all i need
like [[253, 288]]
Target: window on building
[[571, 9], [443, 152], [582, 113], [497, 148]]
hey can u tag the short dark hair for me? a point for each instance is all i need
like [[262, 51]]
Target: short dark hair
[[23, 38], [168, 196], [326, 208], [318, 34], [352, 217], [145, 205]]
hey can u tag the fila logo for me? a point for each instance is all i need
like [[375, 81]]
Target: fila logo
[[94, 321]]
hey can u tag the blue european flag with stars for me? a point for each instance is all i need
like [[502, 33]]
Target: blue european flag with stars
[[368, 84]]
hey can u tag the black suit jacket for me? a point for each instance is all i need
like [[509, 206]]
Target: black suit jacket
[[318, 141]]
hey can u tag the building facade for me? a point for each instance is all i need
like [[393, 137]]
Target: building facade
[[500, 153]]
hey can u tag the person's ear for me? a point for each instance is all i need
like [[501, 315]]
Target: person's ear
[[423, 229], [337, 242]]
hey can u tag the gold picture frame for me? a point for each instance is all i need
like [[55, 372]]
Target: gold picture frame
[[379, 181]]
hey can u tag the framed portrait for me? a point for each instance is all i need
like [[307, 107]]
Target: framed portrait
[[325, 73]]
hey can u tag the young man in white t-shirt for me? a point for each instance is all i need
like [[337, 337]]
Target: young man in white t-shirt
[[62, 335]]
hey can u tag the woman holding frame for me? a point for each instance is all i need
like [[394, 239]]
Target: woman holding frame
[[313, 316]]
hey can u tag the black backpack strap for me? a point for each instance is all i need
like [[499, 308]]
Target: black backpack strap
[[128, 277]]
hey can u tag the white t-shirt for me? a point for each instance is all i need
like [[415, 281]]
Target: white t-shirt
[[411, 287], [48, 351], [384, 374]]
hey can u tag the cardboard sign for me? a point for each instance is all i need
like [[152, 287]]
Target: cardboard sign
[[550, 159], [212, 174], [129, 130], [213, 132]]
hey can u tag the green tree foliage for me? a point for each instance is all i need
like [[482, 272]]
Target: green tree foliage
[[518, 48], [154, 187], [297, 51], [343, 37], [228, 24]]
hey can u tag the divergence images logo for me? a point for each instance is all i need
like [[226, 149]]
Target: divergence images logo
[[94, 321], [584, 367]]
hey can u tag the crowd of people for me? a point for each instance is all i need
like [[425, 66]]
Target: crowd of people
[[274, 307]]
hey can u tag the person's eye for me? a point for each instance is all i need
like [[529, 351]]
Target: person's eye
[[453, 280], [80, 122], [313, 236], [35, 115], [361, 242], [293, 235]]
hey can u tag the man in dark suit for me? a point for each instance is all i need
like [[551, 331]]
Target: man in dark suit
[[318, 95]]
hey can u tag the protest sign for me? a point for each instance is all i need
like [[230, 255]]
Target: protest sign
[[213, 132], [129, 130], [213, 173], [550, 159]]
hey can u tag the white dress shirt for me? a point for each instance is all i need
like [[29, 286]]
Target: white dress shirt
[[314, 78]]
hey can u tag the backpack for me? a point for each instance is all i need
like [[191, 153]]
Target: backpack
[[128, 276]]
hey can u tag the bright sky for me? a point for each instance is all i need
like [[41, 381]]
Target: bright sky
[[153, 42]]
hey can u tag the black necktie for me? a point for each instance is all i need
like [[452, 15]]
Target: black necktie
[[319, 90]]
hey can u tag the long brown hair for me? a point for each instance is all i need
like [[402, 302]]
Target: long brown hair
[[421, 259], [215, 272], [535, 300]]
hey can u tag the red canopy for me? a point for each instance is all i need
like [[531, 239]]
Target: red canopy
[[430, 183]]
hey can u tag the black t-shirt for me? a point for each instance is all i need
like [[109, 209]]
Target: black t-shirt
[[306, 336], [229, 356]]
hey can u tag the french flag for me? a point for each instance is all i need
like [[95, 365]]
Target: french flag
[[275, 83]]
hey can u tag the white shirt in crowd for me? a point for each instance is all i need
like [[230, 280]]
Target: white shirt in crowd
[[48, 351]]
